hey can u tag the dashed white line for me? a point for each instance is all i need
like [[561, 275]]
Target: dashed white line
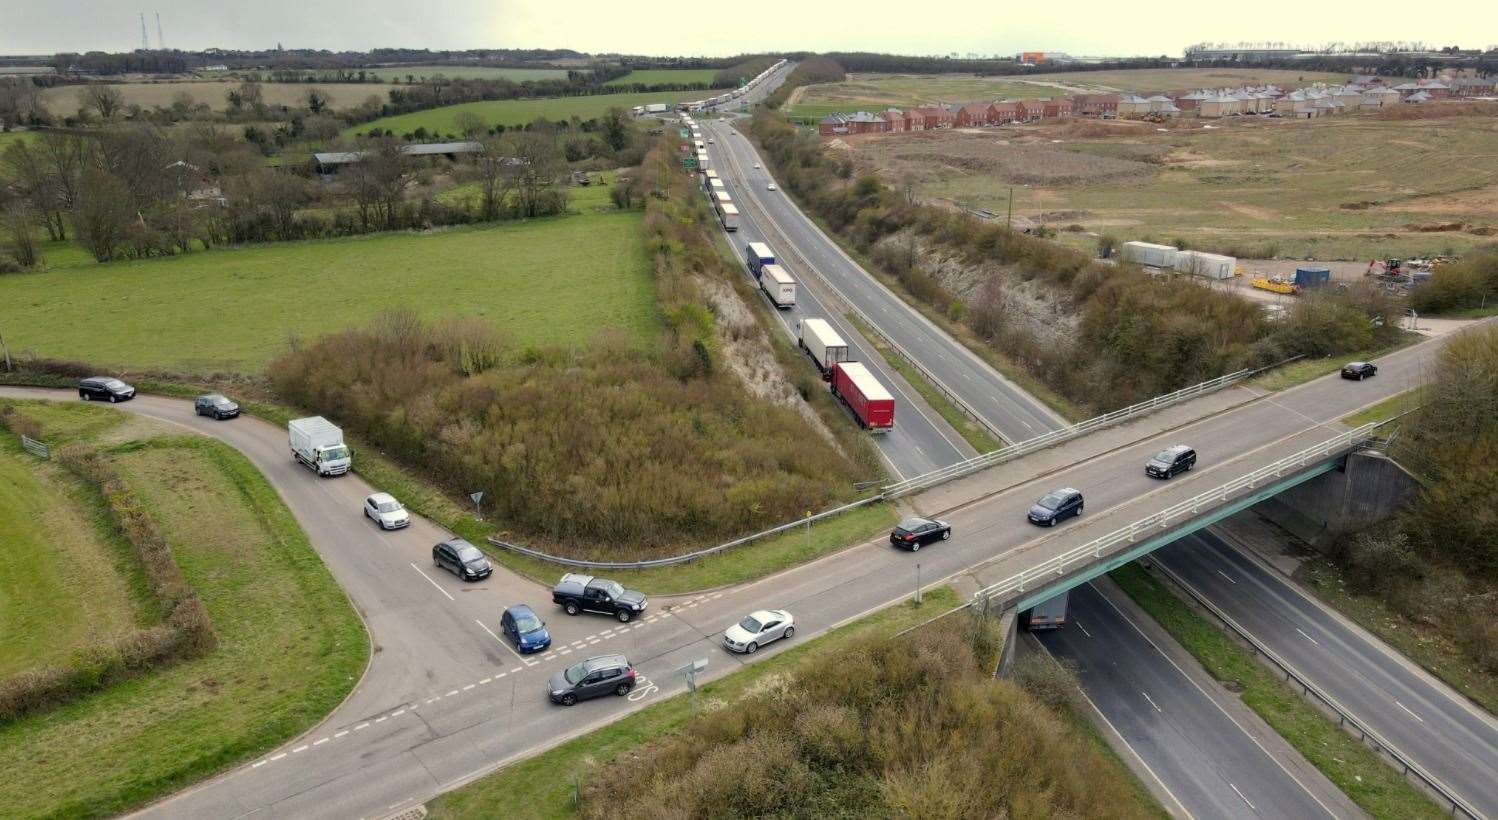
[[433, 583], [301, 748], [469, 686], [320, 741], [484, 681], [515, 670], [398, 713], [1407, 711], [1244, 799], [434, 700], [257, 764], [1083, 628], [274, 758], [1152, 702], [1307, 637], [450, 694], [337, 735], [580, 643], [1225, 575], [361, 726], [595, 640], [381, 718], [567, 651]]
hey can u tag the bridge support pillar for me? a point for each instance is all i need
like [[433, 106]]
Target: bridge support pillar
[[1009, 628]]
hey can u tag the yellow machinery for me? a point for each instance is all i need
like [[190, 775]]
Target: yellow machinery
[[1276, 284]]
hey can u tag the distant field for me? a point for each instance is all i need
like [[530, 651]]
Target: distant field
[[878, 91], [8, 137], [553, 281], [518, 112], [654, 76], [1356, 187], [66, 100], [474, 72]]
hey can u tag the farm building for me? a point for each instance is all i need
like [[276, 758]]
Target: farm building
[[329, 162]]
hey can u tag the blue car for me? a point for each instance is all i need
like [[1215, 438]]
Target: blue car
[[524, 629]]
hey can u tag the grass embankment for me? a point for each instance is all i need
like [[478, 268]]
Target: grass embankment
[[553, 281], [918, 726], [290, 645], [1384, 410], [974, 433], [1357, 770], [662, 76], [517, 112], [1301, 371]]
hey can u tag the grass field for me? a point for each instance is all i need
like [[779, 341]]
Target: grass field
[[518, 112], [9, 137], [1357, 187], [65, 100], [470, 72], [53, 526], [553, 281], [290, 646], [657, 76]]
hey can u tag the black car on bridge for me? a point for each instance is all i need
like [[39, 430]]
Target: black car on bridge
[[1359, 370], [1056, 505]]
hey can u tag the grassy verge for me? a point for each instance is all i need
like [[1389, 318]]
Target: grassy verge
[[1384, 410], [541, 786], [290, 648], [1417, 641], [976, 434], [1299, 372], [1354, 768]]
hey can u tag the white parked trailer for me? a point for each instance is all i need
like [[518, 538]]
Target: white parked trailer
[[820, 341], [1148, 253], [728, 214], [778, 285], [1210, 265]]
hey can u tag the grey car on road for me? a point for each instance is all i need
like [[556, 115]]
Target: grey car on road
[[594, 677]]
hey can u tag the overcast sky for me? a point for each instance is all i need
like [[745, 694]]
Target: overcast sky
[[1082, 27]]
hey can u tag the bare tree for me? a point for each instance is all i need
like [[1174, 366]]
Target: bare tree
[[46, 171], [470, 124], [246, 97], [317, 100], [104, 99], [378, 182], [22, 226], [490, 165], [102, 214], [530, 180]]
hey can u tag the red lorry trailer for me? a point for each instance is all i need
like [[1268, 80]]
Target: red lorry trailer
[[871, 404]]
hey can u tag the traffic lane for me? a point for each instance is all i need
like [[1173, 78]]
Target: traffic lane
[[1446, 737], [1004, 405], [1208, 762], [1397, 373]]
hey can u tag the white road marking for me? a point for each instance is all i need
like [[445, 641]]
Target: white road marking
[[504, 643], [433, 583], [1083, 628], [398, 713], [1225, 575], [301, 748], [1152, 702], [434, 700], [381, 719], [1244, 799], [485, 680], [579, 643], [361, 726], [567, 651], [595, 640], [1307, 637], [1407, 710], [337, 735], [274, 758], [453, 692], [257, 764], [716, 595], [516, 669], [320, 741]]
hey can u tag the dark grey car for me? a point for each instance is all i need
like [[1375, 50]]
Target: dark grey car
[[463, 559], [594, 677], [1056, 505], [104, 388], [215, 405], [1171, 460]]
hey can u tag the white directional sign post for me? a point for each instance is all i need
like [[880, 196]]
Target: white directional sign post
[[477, 497], [690, 672]]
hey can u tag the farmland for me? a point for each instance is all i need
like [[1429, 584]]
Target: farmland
[[470, 72], [657, 76], [554, 281], [518, 112], [877, 91], [68, 99], [1356, 188]]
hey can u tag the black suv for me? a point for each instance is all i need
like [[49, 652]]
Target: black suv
[[1359, 370], [1056, 505], [215, 405], [105, 388], [576, 593], [913, 532], [606, 674], [464, 559], [1171, 460]]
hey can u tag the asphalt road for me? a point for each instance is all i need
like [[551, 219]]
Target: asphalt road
[[1210, 763], [1012, 412], [1437, 728]]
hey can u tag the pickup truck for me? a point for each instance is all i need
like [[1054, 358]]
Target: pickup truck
[[577, 593]]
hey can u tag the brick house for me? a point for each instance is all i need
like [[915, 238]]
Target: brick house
[[1095, 105], [1005, 111], [931, 116], [1055, 108], [894, 119], [973, 115]]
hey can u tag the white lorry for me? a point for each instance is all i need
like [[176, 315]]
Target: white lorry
[[778, 285], [318, 443], [1148, 254], [820, 341]]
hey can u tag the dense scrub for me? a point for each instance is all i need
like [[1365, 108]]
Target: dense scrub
[[898, 727], [1139, 336], [1470, 283]]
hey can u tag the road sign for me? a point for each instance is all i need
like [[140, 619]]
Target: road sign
[[477, 497]]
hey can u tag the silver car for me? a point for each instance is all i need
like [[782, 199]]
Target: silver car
[[758, 629], [384, 510]]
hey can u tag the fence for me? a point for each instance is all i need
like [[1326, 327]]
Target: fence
[[39, 449], [1344, 717], [1057, 566]]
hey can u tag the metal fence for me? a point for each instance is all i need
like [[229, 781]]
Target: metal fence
[[1044, 440], [40, 449], [1057, 566], [1344, 717]]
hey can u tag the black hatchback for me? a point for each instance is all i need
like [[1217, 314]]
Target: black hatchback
[[462, 559], [912, 533], [1056, 505], [1359, 370], [219, 407], [1171, 460], [104, 388]]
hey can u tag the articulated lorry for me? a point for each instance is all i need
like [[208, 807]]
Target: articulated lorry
[[1049, 614], [778, 285], [728, 214], [318, 443], [871, 404], [758, 254], [820, 341]]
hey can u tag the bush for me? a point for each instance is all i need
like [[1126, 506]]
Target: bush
[[1470, 283]]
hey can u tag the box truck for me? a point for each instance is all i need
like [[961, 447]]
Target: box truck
[[821, 342], [778, 285], [1049, 614], [724, 198], [1209, 265], [318, 443], [871, 404], [1148, 253], [758, 254], [715, 184], [728, 214]]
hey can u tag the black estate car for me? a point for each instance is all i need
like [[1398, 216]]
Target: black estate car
[[913, 532], [215, 405], [104, 388], [463, 559], [576, 593], [1359, 370], [1171, 460], [604, 675], [1056, 505]]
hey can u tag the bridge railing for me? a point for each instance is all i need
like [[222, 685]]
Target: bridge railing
[[1057, 566], [982, 462]]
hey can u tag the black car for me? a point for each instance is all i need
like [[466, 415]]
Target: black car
[[1359, 370], [576, 593], [215, 405], [604, 675], [913, 532], [104, 388], [464, 559], [1171, 460], [1056, 505]]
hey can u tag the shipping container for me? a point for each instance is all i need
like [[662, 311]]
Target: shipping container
[[871, 404], [728, 215], [1312, 276], [717, 184], [758, 254], [778, 285], [724, 198], [1148, 253], [1209, 265], [820, 341]]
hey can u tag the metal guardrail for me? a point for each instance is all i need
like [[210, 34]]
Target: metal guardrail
[[40, 449], [1343, 714], [1057, 566], [1044, 440]]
